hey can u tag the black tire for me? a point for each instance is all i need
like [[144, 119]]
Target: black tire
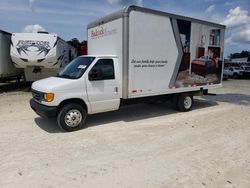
[[71, 117], [184, 102], [235, 75], [174, 100]]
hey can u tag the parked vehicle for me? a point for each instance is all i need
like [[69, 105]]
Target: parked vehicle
[[142, 53], [245, 71], [7, 69], [83, 48], [225, 76], [40, 54], [234, 72]]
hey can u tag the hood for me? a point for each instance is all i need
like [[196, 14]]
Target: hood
[[52, 84]]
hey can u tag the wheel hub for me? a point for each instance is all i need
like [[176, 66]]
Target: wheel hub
[[73, 118], [187, 102]]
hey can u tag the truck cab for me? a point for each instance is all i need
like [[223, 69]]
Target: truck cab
[[88, 85]]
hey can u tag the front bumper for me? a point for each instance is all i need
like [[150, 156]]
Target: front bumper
[[42, 110]]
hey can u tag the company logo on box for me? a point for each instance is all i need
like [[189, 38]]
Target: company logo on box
[[102, 32]]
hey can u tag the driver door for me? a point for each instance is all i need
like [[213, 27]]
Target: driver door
[[102, 86]]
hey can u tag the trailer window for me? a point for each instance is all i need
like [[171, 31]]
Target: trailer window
[[76, 68], [105, 67]]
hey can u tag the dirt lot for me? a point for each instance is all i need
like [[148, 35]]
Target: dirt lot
[[138, 146]]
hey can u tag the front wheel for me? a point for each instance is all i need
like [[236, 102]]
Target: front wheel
[[184, 102], [71, 117]]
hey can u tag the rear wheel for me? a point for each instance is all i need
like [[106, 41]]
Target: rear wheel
[[235, 75], [184, 102], [71, 117]]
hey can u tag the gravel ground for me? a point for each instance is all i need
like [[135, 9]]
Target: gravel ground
[[141, 145]]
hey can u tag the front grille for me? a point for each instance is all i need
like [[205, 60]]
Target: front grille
[[37, 95]]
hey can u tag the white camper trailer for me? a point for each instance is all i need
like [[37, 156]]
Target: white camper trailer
[[7, 69], [40, 54], [135, 55]]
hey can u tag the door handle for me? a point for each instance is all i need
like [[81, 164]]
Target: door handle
[[116, 89]]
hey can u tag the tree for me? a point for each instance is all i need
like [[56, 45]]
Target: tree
[[242, 54], [74, 42]]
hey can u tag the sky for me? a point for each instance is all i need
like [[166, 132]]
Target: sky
[[69, 18]]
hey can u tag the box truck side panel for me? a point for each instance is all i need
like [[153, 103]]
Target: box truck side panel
[[106, 39], [202, 60], [153, 54], [160, 53]]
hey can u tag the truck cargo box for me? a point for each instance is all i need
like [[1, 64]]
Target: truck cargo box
[[160, 53]]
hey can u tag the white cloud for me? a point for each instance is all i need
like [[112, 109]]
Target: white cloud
[[238, 27], [125, 2], [32, 28], [245, 34], [241, 35], [236, 17], [210, 9]]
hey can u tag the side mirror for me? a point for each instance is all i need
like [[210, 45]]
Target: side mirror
[[95, 74]]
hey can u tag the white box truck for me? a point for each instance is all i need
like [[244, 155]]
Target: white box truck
[[135, 55], [7, 69], [40, 54]]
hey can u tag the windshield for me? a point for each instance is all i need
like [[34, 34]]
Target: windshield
[[76, 68]]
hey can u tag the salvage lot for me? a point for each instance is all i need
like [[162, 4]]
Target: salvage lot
[[144, 145]]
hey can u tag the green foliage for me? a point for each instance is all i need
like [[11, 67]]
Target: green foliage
[[74, 42], [242, 54]]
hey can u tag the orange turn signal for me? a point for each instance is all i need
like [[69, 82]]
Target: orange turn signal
[[48, 97]]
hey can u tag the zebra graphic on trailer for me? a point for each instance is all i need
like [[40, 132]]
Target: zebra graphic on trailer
[[40, 54]]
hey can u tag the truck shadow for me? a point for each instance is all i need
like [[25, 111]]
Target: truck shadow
[[48, 125], [233, 98], [126, 114], [145, 111], [15, 86], [141, 111]]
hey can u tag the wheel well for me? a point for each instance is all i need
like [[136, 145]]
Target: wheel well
[[76, 100]]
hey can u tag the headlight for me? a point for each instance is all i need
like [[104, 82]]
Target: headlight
[[48, 97]]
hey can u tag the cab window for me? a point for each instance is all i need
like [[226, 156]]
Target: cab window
[[102, 70]]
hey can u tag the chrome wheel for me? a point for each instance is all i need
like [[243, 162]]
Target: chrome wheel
[[73, 118], [187, 102]]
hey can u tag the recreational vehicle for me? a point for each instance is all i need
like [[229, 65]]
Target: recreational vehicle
[[7, 69], [40, 54]]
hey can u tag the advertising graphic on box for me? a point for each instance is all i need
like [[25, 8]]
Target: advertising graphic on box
[[202, 58]]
